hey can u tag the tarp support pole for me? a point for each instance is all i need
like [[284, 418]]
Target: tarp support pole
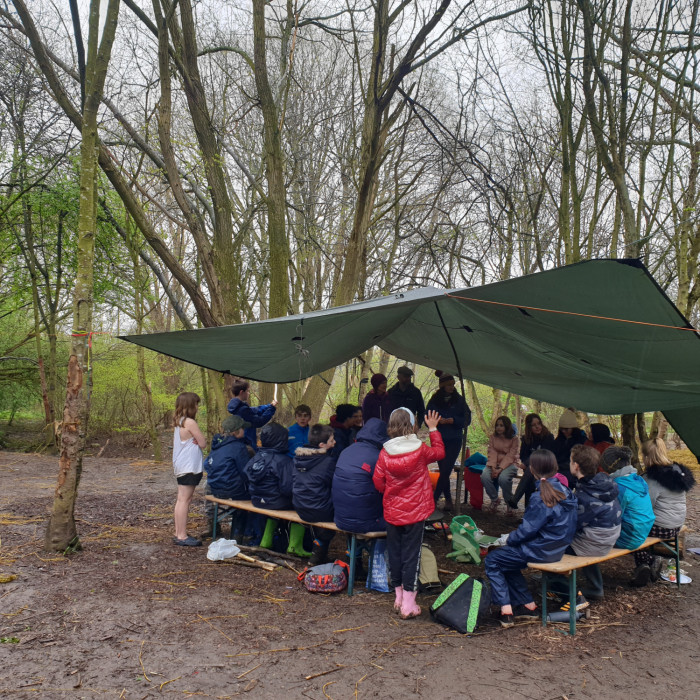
[[460, 472]]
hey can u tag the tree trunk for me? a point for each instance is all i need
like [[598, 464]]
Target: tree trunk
[[629, 436], [61, 531]]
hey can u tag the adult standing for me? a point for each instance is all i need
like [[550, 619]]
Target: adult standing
[[405, 394], [257, 416], [455, 418], [377, 403]]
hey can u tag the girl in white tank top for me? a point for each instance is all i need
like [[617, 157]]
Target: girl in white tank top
[[188, 442]]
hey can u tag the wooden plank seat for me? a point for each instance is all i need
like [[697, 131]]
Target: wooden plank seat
[[569, 564], [293, 516]]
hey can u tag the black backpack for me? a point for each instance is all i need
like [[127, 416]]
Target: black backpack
[[462, 604]]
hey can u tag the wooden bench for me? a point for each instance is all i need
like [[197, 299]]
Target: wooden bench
[[569, 564], [293, 516]]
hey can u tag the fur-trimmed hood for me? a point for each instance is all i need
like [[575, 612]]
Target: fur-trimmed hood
[[676, 477], [308, 451]]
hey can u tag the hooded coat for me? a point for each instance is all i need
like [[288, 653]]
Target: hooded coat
[[257, 417], [599, 516], [667, 489], [545, 533], [357, 504], [313, 479], [637, 512], [225, 467], [343, 436], [402, 476], [271, 472]]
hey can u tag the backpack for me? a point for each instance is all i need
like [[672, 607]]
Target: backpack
[[326, 578], [462, 604], [428, 578]]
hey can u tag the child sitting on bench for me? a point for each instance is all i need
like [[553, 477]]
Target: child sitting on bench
[[549, 525]]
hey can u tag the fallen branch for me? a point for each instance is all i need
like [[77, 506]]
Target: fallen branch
[[254, 563]]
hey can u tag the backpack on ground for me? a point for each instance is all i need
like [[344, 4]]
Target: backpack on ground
[[462, 604], [326, 578], [428, 578]]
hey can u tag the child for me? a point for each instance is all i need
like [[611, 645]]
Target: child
[[402, 476], [256, 416], [633, 494], [548, 526], [225, 468], [271, 476], [502, 456], [599, 517], [345, 423], [668, 485], [314, 465], [188, 442], [299, 432], [378, 403]]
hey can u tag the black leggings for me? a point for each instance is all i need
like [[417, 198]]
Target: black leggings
[[403, 544], [446, 465]]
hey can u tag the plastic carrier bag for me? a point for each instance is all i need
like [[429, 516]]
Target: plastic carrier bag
[[378, 579], [462, 604], [326, 578], [465, 536], [222, 549]]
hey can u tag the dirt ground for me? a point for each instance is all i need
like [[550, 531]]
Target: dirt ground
[[134, 617]]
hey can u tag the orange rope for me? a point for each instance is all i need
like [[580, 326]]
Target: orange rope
[[573, 313]]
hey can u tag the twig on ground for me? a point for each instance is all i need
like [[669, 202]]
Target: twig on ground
[[324, 673], [245, 673], [143, 668]]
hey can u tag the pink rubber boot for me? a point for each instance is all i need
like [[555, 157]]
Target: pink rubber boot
[[409, 608], [399, 599]]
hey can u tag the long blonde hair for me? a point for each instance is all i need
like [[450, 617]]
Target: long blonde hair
[[655, 454], [186, 406]]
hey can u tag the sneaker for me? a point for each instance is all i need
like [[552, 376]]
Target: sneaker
[[506, 620], [520, 612], [553, 597], [494, 505], [188, 542], [641, 576], [581, 603]]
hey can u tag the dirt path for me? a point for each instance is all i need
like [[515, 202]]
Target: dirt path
[[134, 617]]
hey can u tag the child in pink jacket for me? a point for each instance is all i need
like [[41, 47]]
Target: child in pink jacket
[[502, 463]]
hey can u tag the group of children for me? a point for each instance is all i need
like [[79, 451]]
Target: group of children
[[610, 506], [379, 480]]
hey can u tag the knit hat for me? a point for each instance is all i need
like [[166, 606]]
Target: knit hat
[[406, 371], [443, 376], [601, 433], [615, 458], [377, 380], [568, 419], [231, 424]]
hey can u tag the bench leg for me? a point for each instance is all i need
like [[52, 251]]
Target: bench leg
[[544, 599], [353, 551], [677, 554], [370, 561], [572, 603], [215, 523]]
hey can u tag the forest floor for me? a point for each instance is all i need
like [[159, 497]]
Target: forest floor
[[132, 616]]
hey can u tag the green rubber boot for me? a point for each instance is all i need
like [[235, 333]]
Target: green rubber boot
[[296, 540], [270, 527]]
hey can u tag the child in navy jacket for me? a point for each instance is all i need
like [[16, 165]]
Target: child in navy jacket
[[548, 526]]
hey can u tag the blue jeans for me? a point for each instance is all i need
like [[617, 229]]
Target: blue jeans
[[508, 585], [504, 480], [447, 464]]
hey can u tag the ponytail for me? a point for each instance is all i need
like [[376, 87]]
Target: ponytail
[[550, 496], [543, 465]]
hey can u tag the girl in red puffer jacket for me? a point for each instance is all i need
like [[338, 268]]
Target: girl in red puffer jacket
[[401, 475]]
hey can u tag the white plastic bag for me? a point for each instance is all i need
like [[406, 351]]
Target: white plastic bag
[[222, 549]]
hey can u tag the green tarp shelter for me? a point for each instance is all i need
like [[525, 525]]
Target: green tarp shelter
[[599, 335]]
